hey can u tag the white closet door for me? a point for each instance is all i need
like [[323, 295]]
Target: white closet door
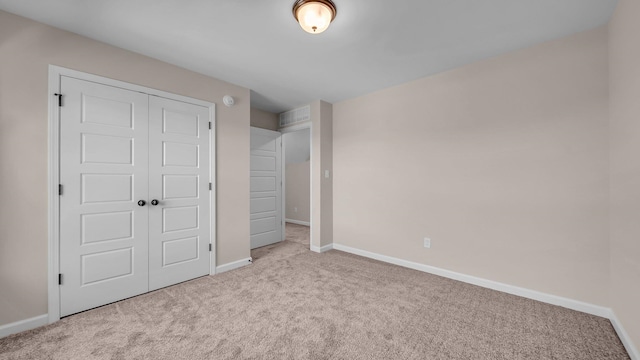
[[179, 181], [103, 172], [266, 187]]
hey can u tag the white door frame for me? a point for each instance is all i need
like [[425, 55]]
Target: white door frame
[[289, 129], [55, 74]]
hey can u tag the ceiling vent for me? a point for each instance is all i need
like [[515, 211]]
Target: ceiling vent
[[295, 116]]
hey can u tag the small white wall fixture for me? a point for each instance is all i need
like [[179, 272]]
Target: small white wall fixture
[[228, 100]]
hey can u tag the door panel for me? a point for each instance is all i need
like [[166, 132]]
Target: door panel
[[107, 226], [266, 224], [107, 111], [102, 188], [263, 163], [263, 204], [180, 186], [266, 187], [103, 232], [179, 179], [100, 149], [177, 154], [179, 218], [180, 250], [106, 265], [263, 183]]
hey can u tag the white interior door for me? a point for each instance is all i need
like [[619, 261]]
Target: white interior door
[[103, 172], [179, 182], [134, 207], [266, 187]]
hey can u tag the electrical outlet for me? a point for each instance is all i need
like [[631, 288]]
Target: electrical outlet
[[427, 243], [295, 209]]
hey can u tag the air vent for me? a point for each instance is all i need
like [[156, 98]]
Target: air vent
[[295, 116]]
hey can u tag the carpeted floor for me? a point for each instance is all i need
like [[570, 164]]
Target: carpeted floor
[[295, 304]]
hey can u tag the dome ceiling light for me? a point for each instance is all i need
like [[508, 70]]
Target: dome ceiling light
[[314, 16]]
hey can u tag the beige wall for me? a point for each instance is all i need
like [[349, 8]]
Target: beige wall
[[502, 163], [625, 165], [26, 50], [298, 191], [321, 160], [264, 119]]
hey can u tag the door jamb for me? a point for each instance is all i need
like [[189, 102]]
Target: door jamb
[[53, 267]]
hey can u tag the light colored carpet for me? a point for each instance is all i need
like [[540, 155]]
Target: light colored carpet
[[295, 304]]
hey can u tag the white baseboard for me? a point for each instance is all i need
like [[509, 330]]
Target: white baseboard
[[234, 265], [321, 249], [494, 285], [624, 337], [23, 325], [305, 223]]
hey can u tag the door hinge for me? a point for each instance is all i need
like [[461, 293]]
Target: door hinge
[[59, 279], [59, 99], [210, 186], [59, 189], [209, 125], [210, 247]]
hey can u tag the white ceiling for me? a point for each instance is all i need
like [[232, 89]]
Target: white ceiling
[[371, 45]]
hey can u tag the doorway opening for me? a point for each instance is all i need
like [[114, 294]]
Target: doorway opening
[[297, 183], [280, 190]]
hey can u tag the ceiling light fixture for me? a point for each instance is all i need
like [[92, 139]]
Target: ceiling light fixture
[[314, 16]]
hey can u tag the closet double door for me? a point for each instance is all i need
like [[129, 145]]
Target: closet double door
[[134, 202]]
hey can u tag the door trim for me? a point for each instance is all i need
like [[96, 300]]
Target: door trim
[[55, 74]]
